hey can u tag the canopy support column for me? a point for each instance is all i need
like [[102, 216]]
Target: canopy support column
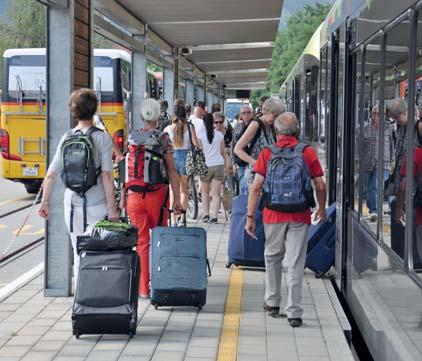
[[169, 85], [67, 26], [139, 88], [189, 92]]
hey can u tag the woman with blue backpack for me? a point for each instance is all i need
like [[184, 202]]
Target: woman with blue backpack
[[83, 159]]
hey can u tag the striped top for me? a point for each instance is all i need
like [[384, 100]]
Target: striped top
[[370, 145]]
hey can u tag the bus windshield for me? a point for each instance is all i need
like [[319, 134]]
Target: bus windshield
[[26, 76]]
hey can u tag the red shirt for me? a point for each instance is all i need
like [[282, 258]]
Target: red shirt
[[315, 170], [417, 170]]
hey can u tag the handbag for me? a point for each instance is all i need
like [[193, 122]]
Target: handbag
[[195, 160]]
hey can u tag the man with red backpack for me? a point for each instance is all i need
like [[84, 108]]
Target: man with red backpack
[[149, 169], [285, 172]]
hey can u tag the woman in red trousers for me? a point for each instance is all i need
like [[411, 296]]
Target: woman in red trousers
[[146, 192]]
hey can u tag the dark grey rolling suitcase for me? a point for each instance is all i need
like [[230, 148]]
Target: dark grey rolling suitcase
[[106, 298], [178, 266]]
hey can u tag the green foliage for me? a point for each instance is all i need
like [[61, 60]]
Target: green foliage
[[290, 44], [100, 42], [24, 28]]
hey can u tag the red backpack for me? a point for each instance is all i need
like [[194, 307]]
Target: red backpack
[[145, 168]]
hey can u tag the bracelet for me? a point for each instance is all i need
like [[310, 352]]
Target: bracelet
[[250, 216]]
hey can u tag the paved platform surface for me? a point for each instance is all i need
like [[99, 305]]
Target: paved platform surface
[[36, 328]]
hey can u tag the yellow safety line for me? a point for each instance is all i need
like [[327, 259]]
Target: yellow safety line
[[227, 350]]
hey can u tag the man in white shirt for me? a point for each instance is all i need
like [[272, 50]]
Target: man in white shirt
[[197, 118]]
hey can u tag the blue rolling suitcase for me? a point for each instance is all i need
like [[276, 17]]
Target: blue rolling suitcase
[[244, 250], [321, 244], [178, 266]]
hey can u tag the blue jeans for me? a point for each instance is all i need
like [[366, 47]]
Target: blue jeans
[[179, 157], [241, 177], [371, 188]]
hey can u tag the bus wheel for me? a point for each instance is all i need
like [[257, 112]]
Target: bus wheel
[[32, 188]]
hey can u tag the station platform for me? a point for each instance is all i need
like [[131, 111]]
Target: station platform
[[232, 325]]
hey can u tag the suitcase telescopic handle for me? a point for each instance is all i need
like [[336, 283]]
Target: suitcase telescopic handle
[[209, 267]]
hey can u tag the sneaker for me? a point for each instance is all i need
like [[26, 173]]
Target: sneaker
[[295, 322], [272, 311], [213, 220], [206, 218], [373, 217], [145, 297]]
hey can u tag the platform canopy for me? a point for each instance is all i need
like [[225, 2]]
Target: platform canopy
[[231, 41]]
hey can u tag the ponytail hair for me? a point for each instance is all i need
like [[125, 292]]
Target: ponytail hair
[[179, 120], [209, 126]]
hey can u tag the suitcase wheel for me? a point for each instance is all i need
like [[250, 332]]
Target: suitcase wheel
[[199, 307], [76, 335], [319, 274], [156, 306], [228, 265], [131, 334]]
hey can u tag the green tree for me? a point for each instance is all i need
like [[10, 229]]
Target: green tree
[[290, 44], [22, 27]]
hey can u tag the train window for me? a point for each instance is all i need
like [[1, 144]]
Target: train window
[[359, 120], [416, 249], [368, 133], [322, 97], [396, 80]]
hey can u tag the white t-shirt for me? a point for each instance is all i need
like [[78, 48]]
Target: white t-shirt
[[212, 151], [186, 141], [198, 124]]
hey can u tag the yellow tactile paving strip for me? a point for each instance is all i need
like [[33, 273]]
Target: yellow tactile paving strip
[[227, 350]]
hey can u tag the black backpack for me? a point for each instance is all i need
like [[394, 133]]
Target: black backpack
[[248, 149], [79, 172]]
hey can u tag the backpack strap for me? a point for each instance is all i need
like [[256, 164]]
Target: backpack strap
[[84, 212], [300, 147], [163, 208], [190, 134], [72, 212], [91, 130], [275, 150], [257, 134]]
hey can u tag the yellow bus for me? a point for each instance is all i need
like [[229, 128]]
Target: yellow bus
[[23, 109]]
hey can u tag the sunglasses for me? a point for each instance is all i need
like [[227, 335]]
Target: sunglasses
[[218, 122]]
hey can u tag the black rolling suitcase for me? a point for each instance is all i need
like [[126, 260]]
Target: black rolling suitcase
[[106, 297]]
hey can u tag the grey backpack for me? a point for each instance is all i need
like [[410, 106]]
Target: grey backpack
[[288, 186]]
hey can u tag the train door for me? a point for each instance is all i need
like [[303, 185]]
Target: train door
[[297, 97], [311, 101], [334, 140], [308, 89]]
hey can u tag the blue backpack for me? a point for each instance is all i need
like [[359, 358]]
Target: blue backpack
[[288, 186]]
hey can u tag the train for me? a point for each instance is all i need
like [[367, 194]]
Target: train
[[23, 107], [368, 53]]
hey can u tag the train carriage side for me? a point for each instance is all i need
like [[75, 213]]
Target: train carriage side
[[300, 89], [371, 56]]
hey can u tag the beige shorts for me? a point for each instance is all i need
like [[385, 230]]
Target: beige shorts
[[215, 172]]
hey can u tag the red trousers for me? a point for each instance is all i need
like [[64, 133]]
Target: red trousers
[[144, 212]]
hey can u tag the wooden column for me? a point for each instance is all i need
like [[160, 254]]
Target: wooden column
[[82, 40]]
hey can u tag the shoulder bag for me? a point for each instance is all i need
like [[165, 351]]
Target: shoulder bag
[[195, 159]]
